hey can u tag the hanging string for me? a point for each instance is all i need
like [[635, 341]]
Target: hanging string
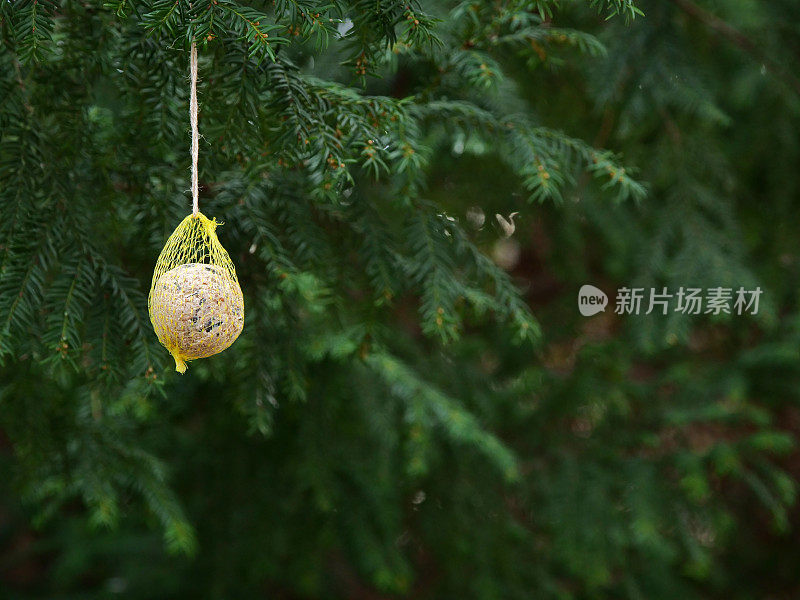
[[193, 119]]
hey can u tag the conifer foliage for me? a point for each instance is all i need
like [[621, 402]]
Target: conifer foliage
[[93, 177], [390, 413]]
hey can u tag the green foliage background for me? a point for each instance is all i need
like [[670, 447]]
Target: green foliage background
[[415, 409]]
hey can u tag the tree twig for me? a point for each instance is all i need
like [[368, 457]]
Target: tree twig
[[728, 31]]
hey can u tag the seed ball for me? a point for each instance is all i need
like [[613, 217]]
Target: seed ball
[[197, 310]]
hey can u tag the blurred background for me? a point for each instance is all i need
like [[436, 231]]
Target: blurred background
[[416, 407]]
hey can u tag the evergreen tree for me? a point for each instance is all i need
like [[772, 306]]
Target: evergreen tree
[[415, 408]]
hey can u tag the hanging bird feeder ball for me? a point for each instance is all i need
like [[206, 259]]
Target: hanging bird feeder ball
[[196, 304]]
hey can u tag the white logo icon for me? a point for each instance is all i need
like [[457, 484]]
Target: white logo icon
[[591, 300]]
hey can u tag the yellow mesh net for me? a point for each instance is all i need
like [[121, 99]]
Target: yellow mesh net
[[195, 301]]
